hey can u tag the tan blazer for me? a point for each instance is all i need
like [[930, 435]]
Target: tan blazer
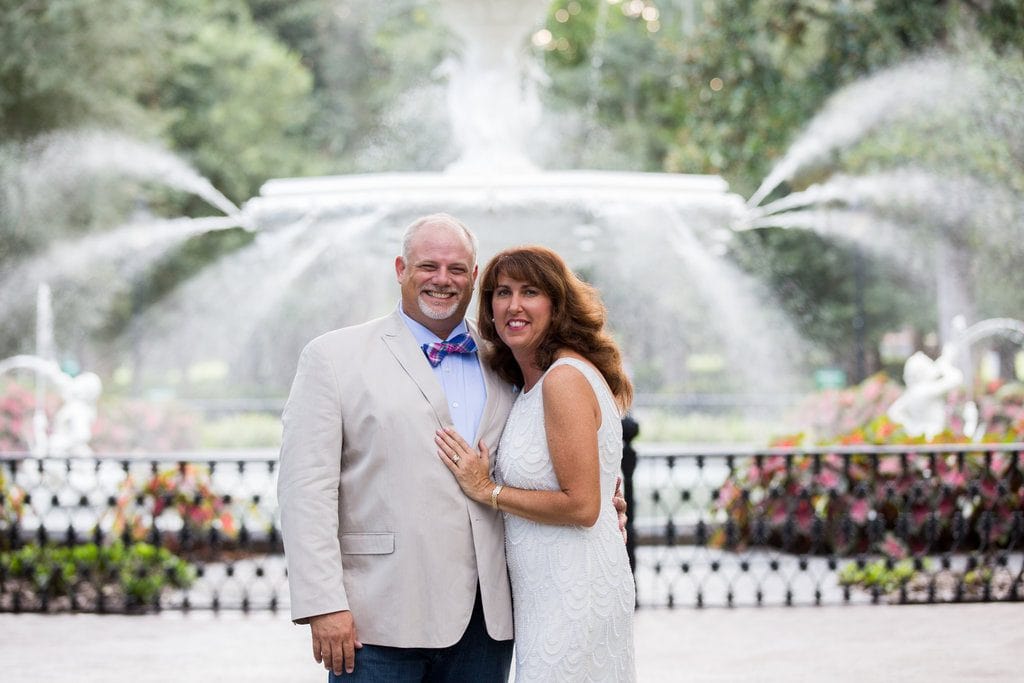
[[372, 519]]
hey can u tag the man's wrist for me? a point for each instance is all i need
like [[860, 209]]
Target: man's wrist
[[316, 617]]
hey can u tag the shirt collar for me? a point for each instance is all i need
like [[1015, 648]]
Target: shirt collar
[[425, 336]]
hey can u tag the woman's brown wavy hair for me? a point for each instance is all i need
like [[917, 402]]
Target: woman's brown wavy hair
[[577, 318]]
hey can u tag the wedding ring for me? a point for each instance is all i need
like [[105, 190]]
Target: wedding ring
[[456, 458]]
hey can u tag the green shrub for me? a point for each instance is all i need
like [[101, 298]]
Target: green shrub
[[885, 575], [658, 426], [244, 430], [130, 576]]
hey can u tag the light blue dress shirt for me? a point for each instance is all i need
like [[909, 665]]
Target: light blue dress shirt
[[461, 378]]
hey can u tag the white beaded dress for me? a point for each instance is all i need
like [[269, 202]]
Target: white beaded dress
[[572, 589]]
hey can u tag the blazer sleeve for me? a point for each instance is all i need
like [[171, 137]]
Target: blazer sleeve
[[307, 488]]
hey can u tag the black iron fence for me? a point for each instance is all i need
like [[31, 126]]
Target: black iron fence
[[708, 527], [125, 533], [837, 525]]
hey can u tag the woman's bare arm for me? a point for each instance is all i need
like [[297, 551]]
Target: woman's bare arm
[[571, 419]]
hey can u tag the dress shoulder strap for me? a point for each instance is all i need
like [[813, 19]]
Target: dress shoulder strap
[[586, 368], [593, 375]]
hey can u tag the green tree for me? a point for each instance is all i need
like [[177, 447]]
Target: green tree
[[64, 63], [237, 102], [724, 87]]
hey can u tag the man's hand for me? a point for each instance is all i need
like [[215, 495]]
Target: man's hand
[[620, 506], [335, 641]]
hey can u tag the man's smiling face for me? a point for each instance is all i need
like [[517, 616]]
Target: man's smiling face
[[437, 277]]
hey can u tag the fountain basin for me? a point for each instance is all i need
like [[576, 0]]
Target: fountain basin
[[485, 191]]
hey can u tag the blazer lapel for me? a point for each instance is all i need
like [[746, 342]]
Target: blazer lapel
[[402, 345]]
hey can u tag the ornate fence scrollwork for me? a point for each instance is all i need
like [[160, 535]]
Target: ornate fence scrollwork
[[204, 527], [730, 527], [835, 525]]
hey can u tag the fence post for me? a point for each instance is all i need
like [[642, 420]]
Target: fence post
[[630, 429]]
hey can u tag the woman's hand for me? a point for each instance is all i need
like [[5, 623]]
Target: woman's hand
[[472, 468]]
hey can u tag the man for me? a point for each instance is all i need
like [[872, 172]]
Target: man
[[385, 554]]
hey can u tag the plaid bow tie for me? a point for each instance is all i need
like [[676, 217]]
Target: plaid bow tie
[[460, 343]]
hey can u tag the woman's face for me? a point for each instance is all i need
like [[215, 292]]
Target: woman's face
[[522, 314]]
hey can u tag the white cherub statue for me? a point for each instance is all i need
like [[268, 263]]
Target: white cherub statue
[[72, 423], [71, 428], [921, 409]]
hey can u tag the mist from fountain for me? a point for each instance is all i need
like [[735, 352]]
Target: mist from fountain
[[953, 206], [258, 288], [946, 219], [89, 271], [933, 223], [623, 230], [854, 111], [60, 160], [1009, 328], [492, 95], [768, 342], [883, 239], [126, 253]]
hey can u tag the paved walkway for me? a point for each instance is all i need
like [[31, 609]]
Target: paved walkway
[[855, 644]]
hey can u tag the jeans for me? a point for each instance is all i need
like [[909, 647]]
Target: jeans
[[476, 658]]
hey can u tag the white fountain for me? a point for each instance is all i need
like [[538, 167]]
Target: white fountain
[[494, 110], [492, 93], [322, 247], [648, 240]]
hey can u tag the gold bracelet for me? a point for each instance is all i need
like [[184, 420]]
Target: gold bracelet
[[494, 496]]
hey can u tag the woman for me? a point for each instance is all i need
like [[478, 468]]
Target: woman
[[556, 464]]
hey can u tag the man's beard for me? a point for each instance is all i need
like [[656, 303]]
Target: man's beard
[[435, 314]]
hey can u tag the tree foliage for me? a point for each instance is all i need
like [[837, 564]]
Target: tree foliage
[[203, 76], [67, 62], [724, 87], [237, 103]]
